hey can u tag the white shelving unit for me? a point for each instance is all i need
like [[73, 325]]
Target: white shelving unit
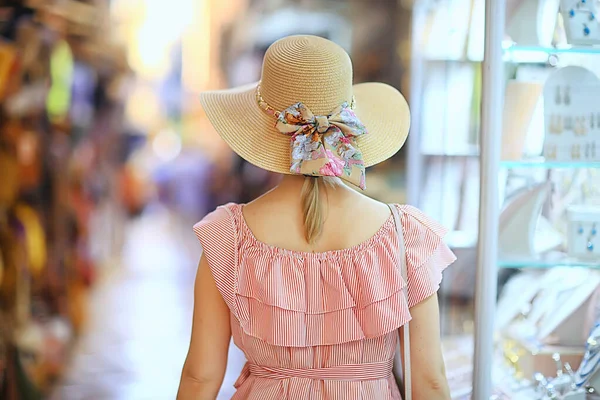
[[499, 57]]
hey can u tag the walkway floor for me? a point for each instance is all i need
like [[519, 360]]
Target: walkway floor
[[140, 319]]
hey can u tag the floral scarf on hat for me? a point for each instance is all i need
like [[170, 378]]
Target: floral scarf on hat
[[324, 146]]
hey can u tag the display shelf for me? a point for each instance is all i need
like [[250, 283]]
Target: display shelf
[[514, 49], [542, 55], [556, 260], [541, 163]]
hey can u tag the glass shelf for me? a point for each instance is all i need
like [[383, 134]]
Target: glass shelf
[[541, 163], [544, 55], [548, 262], [553, 50]]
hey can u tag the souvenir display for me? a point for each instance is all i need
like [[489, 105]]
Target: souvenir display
[[581, 21], [583, 235], [571, 115]]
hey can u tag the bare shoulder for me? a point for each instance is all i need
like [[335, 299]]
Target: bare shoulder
[[369, 208], [269, 207]]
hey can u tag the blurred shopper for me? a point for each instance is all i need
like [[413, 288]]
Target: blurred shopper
[[308, 279]]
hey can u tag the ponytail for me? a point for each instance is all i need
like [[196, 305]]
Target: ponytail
[[312, 210]]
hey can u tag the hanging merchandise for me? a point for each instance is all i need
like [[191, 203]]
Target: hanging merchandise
[[1, 268], [61, 70], [581, 21], [8, 60], [572, 116], [28, 149], [9, 187], [34, 237]]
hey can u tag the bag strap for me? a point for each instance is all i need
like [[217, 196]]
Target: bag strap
[[404, 270]]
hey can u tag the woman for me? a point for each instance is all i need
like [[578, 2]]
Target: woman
[[307, 278]]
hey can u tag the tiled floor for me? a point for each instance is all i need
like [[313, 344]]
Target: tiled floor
[[140, 319]]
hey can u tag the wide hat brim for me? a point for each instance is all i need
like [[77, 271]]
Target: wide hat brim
[[251, 132]]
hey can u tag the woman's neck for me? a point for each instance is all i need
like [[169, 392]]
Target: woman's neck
[[290, 186]]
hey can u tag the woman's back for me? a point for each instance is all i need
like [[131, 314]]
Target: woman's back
[[350, 218]]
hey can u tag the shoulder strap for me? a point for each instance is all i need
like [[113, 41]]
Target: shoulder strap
[[406, 331]]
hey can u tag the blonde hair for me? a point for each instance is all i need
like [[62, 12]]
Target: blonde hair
[[312, 209]]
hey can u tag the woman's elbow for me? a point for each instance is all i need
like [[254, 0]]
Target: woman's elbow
[[197, 388], [432, 387], [438, 384]]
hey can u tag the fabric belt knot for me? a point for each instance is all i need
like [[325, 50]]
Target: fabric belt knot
[[346, 372]]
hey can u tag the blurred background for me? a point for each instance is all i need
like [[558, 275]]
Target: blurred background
[[107, 160]]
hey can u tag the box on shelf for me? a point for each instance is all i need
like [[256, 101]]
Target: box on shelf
[[581, 25], [583, 232], [529, 356]]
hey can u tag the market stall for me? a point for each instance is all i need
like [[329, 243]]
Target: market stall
[[58, 120]]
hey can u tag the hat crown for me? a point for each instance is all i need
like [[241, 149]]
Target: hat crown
[[307, 69]]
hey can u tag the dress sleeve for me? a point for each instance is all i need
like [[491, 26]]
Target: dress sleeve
[[426, 253], [218, 236]]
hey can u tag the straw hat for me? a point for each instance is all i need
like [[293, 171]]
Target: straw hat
[[318, 73]]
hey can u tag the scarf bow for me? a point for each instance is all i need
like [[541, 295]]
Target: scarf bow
[[324, 146]]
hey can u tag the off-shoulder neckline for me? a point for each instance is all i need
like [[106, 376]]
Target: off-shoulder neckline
[[353, 250]]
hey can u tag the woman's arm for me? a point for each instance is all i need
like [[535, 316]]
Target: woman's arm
[[427, 365], [206, 361]]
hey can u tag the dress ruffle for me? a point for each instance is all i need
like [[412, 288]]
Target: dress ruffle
[[296, 299]]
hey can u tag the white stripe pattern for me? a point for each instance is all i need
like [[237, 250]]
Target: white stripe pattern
[[324, 325]]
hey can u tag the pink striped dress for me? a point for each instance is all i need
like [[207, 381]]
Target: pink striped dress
[[320, 325]]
